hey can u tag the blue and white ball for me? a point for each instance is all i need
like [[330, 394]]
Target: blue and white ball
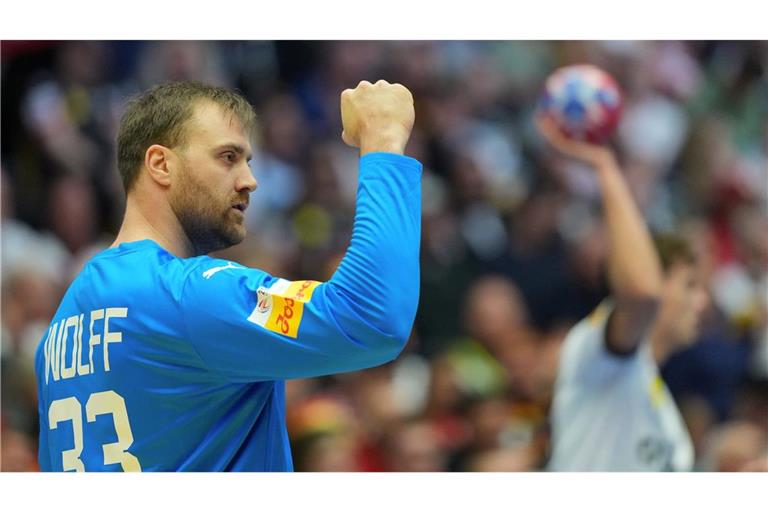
[[584, 102]]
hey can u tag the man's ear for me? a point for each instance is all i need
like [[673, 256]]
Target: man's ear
[[160, 161]]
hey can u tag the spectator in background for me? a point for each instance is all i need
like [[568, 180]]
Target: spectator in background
[[72, 115], [325, 436], [17, 451], [412, 446], [488, 419], [736, 446], [73, 212], [23, 247]]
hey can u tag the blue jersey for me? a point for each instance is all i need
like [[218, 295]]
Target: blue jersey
[[159, 363]]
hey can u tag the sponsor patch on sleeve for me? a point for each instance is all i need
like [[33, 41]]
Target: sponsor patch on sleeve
[[280, 307]]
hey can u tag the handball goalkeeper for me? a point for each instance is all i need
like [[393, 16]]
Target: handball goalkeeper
[[161, 358]]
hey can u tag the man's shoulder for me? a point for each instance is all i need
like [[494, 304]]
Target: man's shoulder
[[204, 280], [139, 273], [210, 270], [585, 356]]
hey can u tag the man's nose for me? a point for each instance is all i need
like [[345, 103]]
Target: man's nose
[[246, 180]]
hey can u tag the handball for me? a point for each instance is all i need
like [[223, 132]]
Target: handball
[[583, 101]]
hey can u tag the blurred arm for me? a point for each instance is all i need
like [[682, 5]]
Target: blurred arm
[[634, 269]]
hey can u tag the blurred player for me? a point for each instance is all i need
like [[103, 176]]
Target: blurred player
[[611, 410], [162, 358]]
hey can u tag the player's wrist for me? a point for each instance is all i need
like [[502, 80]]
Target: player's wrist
[[604, 160], [384, 141]]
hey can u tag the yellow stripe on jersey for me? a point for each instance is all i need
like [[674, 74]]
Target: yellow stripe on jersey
[[657, 391], [599, 314]]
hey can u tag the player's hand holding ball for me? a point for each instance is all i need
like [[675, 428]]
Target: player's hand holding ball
[[578, 111], [377, 117]]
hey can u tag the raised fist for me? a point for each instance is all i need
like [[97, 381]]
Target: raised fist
[[377, 117]]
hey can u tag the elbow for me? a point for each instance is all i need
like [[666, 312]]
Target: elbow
[[629, 323], [636, 314], [403, 320], [644, 297], [642, 290], [643, 305], [400, 334], [389, 347], [378, 325], [398, 323], [639, 285], [395, 326]]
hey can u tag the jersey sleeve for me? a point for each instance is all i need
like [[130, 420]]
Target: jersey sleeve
[[585, 358], [250, 326]]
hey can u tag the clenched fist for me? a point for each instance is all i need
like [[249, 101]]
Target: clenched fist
[[377, 117]]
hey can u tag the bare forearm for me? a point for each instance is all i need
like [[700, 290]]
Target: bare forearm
[[634, 270]]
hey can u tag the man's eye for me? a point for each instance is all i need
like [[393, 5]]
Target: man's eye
[[229, 157]]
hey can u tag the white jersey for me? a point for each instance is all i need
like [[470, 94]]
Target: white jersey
[[613, 412]]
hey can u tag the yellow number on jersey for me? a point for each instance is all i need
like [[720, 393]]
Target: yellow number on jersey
[[109, 402], [104, 402], [69, 409]]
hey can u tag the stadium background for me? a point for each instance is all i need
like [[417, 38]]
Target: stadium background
[[513, 250]]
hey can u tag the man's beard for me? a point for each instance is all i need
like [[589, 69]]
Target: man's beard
[[205, 222]]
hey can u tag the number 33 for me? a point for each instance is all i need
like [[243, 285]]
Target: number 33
[[105, 402]]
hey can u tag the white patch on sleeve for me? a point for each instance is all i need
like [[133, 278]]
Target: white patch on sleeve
[[263, 309]]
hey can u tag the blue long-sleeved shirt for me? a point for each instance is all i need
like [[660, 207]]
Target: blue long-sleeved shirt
[[154, 362]]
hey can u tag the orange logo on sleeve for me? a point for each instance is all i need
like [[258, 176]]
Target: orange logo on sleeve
[[287, 308]]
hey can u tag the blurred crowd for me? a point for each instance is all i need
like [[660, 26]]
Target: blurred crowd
[[513, 248]]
